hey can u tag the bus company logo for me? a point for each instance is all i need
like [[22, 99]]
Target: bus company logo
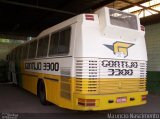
[[120, 49]]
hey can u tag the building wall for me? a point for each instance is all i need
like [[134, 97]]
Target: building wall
[[7, 45], [153, 46], [153, 51], [4, 49]]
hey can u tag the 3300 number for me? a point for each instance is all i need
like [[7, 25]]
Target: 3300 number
[[119, 72]]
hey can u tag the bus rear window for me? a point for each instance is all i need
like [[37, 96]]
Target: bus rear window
[[122, 19]]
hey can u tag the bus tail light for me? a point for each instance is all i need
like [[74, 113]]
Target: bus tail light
[[144, 97], [89, 17], [86, 102]]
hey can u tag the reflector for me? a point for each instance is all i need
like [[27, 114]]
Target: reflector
[[89, 17]]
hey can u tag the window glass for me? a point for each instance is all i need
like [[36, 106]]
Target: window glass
[[13, 55], [60, 41], [25, 51], [18, 53], [122, 19], [43, 46], [32, 49], [54, 44], [64, 41], [7, 57]]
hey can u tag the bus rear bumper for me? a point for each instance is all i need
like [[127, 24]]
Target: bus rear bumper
[[109, 101]]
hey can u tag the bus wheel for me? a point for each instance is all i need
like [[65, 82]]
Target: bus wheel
[[42, 93]]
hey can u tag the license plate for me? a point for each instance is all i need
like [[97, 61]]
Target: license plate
[[121, 99]]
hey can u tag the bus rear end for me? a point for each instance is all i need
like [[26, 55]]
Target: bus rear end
[[110, 61]]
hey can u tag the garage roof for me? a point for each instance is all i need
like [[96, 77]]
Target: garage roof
[[29, 17]]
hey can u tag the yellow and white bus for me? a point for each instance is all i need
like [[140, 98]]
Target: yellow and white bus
[[89, 62]]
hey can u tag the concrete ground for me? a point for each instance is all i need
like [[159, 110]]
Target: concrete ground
[[14, 100]]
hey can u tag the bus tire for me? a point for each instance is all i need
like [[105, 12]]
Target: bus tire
[[42, 92]]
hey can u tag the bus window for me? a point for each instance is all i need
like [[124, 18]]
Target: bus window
[[43, 46], [7, 57], [59, 43], [32, 49], [25, 51], [122, 19], [64, 41], [13, 55], [18, 53], [53, 49]]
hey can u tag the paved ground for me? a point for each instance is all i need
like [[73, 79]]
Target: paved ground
[[16, 100]]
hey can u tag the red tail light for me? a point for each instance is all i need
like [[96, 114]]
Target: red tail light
[[144, 97], [86, 102], [89, 17]]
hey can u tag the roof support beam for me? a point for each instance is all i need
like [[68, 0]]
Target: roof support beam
[[36, 7], [135, 4], [150, 6], [98, 5], [141, 2]]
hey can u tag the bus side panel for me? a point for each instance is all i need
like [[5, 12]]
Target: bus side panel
[[56, 72], [55, 92], [29, 82], [59, 84], [52, 88]]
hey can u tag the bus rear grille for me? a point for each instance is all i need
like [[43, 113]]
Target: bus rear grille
[[89, 78], [143, 70], [87, 69], [109, 86]]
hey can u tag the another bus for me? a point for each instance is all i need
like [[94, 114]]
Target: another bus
[[89, 62]]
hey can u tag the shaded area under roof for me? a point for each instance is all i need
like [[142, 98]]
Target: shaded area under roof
[[29, 17]]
